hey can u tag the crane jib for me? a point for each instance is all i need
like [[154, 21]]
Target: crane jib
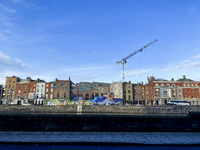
[[123, 61]]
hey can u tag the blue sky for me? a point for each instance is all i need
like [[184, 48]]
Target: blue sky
[[84, 39]]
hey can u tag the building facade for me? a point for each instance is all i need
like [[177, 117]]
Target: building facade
[[62, 89], [22, 89], [10, 87], [181, 89], [117, 89], [49, 90], [32, 92], [89, 90]]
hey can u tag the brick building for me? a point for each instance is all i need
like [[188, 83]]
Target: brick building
[[181, 89], [32, 91], [22, 89], [10, 87], [90, 90], [62, 89], [49, 90]]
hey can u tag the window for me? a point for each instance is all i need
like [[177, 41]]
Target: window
[[42, 85], [51, 90], [188, 84], [191, 84], [47, 90], [162, 84], [25, 86], [129, 97], [34, 85], [156, 85], [47, 85], [30, 85], [19, 86], [173, 85], [33, 90], [37, 90], [24, 91], [129, 91], [41, 90], [9, 81], [167, 85], [13, 81], [46, 95], [30, 89], [188, 90], [184, 91], [8, 92], [51, 96], [183, 84], [9, 86], [196, 91], [192, 91]]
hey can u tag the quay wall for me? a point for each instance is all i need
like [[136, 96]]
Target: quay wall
[[111, 109], [100, 118]]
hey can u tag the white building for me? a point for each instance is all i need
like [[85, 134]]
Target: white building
[[117, 89], [40, 90]]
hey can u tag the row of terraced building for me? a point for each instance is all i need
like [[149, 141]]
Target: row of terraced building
[[155, 92]]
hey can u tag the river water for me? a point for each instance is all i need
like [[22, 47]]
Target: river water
[[93, 147]]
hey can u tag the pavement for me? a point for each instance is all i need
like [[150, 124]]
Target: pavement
[[102, 138]]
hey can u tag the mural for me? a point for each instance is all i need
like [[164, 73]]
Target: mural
[[108, 100]]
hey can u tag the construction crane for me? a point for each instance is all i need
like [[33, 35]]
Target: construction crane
[[123, 61]]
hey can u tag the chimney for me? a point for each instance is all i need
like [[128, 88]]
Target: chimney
[[172, 79], [184, 77]]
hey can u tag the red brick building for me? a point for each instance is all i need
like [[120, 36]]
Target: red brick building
[[49, 90]]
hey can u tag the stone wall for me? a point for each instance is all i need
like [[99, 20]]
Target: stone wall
[[99, 123], [138, 110], [100, 118]]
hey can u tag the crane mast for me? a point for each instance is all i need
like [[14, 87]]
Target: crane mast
[[123, 61]]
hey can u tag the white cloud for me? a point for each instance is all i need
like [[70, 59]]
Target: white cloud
[[4, 38], [6, 63], [8, 32], [137, 72], [192, 10], [7, 9], [26, 4]]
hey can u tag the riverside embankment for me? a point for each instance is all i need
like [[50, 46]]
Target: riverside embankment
[[100, 118]]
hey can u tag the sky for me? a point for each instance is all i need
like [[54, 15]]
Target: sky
[[84, 39]]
